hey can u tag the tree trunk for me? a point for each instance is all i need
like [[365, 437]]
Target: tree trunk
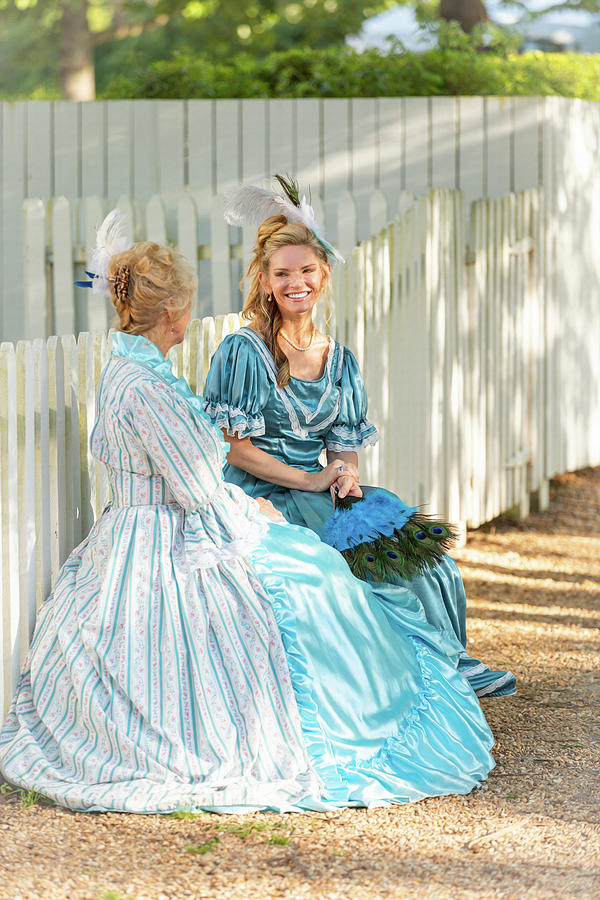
[[468, 13], [76, 52]]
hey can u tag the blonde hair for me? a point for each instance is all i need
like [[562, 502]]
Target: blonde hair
[[259, 309], [146, 281]]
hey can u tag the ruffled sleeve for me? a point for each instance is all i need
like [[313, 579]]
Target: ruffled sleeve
[[351, 429], [237, 388]]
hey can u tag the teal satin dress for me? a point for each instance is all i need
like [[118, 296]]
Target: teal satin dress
[[294, 424]]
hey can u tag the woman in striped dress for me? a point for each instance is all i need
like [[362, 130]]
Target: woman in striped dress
[[196, 653]]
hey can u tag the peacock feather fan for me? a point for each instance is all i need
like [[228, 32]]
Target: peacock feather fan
[[381, 538]]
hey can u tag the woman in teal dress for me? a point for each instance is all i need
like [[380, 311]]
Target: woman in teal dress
[[196, 653], [282, 393]]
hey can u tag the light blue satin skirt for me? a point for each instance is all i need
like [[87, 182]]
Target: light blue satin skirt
[[439, 592], [386, 716]]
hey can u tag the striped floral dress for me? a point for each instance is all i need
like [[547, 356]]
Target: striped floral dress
[[157, 678], [194, 655]]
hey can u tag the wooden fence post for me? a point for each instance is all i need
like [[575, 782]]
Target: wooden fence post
[[9, 526], [220, 258], [35, 282], [62, 269]]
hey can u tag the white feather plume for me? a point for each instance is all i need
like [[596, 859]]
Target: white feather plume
[[250, 205], [110, 240]]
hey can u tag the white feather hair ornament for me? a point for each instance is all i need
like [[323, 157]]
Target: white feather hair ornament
[[250, 205], [110, 240]]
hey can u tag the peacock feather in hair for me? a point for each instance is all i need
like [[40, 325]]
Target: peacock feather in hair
[[381, 538], [290, 188]]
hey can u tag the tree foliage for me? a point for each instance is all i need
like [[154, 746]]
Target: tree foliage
[[47, 44], [453, 69], [128, 33]]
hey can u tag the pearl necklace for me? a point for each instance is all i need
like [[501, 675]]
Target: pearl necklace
[[295, 346]]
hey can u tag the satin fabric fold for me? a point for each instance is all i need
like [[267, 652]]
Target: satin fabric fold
[[386, 717]]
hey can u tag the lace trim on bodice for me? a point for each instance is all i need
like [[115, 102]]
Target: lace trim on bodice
[[287, 393]]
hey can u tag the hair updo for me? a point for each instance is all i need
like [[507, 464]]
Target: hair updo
[[146, 281], [274, 233]]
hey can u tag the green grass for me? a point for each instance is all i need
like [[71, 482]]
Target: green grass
[[278, 839], [113, 895], [28, 798], [241, 830], [183, 814], [203, 848]]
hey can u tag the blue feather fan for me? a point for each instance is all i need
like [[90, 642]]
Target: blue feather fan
[[382, 538], [377, 514]]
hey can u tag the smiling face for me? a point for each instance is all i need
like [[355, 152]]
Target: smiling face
[[296, 279]]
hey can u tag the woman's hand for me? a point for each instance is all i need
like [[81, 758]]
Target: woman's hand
[[267, 509], [338, 474], [316, 482], [345, 486]]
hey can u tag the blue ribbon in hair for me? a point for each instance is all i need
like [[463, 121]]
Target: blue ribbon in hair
[[89, 284]]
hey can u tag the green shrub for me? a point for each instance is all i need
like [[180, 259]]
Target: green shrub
[[302, 72]]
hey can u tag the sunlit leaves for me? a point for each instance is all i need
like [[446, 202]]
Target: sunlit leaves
[[199, 9]]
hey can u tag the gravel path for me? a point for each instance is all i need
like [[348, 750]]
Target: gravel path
[[533, 831]]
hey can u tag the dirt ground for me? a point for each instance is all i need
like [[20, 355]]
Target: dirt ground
[[533, 831]]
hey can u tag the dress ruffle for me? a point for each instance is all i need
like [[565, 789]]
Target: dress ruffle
[[355, 437], [228, 525], [234, 420]]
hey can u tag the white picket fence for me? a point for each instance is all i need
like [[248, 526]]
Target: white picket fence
[[481, 381], [484, 146], [60, 236]]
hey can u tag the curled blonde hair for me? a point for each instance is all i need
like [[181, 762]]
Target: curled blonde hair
[[259, 309], [146, 281]]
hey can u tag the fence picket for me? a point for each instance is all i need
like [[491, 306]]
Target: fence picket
[[97, 315], [26, 492], [378, 212], [220, 259], [42, 473], [156, 224], [71, 498], [9, 521], [57, 455], [35, 287], [187, 230], [62, 271]]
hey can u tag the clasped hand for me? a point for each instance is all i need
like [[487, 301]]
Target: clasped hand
[[340, 477]]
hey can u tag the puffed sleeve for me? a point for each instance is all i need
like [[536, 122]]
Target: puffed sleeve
[[237, 388], [351, 429], [181, 447]]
